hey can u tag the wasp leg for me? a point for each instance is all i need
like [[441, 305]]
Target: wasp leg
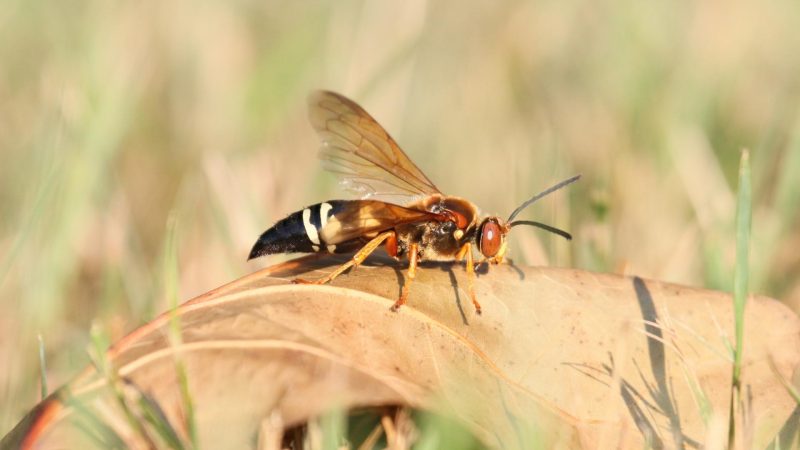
[[357, 259], [471, 276], [496, 259], [413, 257], [463, 251]]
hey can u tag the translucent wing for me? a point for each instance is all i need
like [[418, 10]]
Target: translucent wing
[[357, 148], [350, 219]]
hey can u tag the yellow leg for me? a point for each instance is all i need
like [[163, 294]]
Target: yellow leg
[[467, 248], [357, 259], [413, 257], [463, 251], [496, 259]]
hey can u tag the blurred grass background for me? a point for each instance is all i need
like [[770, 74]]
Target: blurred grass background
[[115, 114]]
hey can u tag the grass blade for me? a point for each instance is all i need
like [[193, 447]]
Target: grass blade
[[740, 282], [175, 337], [99, 357], [42, 368]]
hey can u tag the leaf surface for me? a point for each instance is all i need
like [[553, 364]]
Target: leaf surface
[[559, 357]]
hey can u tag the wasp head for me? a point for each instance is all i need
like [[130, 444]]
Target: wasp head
[[491, 234]]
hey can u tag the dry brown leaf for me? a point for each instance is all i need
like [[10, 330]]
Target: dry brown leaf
[[560, 357]]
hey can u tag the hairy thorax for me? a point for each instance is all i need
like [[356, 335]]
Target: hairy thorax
[[440, 241]]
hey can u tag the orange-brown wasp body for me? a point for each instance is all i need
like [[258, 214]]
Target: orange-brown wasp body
[[430, 226]]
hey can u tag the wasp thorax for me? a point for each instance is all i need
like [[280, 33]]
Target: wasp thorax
[[490, 237], [446, 228]]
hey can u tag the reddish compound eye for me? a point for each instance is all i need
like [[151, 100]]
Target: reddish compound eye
[[490, 238]]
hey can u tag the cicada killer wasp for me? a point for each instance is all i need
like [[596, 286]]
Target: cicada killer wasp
[[429, 226]]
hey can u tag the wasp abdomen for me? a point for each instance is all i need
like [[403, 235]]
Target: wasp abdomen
[[298, 233]]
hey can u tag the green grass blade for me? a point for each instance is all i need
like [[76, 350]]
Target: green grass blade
[[740, 281], [89, 422], [175, 337], [333, 424], [42, 368], [105, 367], [742, 275], [153, 414]]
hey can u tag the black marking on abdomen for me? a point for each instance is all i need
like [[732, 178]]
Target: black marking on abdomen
[[299, 232]]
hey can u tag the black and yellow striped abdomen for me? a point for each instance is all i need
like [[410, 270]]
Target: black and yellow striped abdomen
[[300, 232]]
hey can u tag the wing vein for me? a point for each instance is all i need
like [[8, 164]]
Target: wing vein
[[356, 148]]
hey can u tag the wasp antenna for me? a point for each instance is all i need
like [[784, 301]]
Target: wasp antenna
[[543, 226], [549, 190]]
